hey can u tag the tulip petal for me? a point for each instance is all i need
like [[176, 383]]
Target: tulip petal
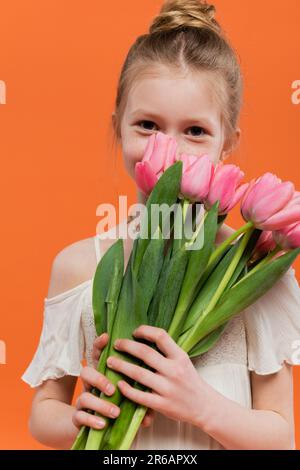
[[223, 186], [262, 186], [145, 177], [273, 202], [284, 217], [149, 148], [241, 190], [171, 154], [159, 153], [196, 179]]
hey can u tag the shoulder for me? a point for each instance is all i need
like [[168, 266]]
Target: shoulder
[[224, 232], [73, 265]]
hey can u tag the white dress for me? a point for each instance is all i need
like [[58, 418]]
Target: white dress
[[258, 339]]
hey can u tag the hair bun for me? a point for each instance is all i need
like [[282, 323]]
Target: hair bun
[[181, 13]]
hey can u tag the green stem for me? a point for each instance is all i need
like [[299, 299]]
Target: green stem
[[82, 436], [133, 427], [260, 264], [180, 217], [196, 233], [188, 340], [184, 296], [185, 207], [228, 240]]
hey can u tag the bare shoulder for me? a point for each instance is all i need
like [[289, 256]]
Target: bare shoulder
[[228, 230], [224, 232], [73, 265]]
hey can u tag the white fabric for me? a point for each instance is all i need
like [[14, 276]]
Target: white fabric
[[260, 339], [61, 344], [273, 326]]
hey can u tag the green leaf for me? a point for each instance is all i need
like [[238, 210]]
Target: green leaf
[[199, 258], [122, 328], [208, 290], [243, 294], [208, 342], [107, 284], [245, 257], [154, 305], [164, 192], [212, 283], [173, 281], [151, 267], [197, 263]]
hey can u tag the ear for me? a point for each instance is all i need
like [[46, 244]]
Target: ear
[[231, 145]]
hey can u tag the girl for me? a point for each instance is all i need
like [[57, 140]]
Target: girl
[[181, 79]]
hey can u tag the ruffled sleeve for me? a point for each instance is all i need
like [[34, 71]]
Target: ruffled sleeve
[[61, 346], [272, 326]]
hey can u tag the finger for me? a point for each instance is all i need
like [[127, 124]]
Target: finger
[[82, 418], [161, 338], [99, 344], [92, 377], [150, 400], [148, 355], [101, 341], [88, 401], [148, 418], [139, 374], [147, 421]]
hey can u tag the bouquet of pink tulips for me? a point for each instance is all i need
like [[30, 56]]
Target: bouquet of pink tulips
[[187, 284]]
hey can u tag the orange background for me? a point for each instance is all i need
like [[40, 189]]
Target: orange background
[[60, 62]]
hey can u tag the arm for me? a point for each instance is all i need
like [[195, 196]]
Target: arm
[[269, 425], [51, 414], [53, 420]]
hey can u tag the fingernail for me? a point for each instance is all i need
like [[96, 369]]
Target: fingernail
[[99, 423], [110, 388], [114, 412]]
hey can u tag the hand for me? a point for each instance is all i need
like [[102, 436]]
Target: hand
[[92, 378], [174, 385]]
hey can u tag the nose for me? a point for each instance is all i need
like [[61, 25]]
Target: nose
[[174, 135]]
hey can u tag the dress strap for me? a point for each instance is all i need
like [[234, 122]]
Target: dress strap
[[97, 247]]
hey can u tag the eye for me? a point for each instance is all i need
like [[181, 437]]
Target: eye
[[197, 129], [147, 123]]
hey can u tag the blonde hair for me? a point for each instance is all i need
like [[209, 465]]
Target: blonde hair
[[185, 37]]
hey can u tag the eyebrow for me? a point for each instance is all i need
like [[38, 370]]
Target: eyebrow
[[204, 119]]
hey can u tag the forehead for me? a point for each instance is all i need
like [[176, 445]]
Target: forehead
[[173, 97]]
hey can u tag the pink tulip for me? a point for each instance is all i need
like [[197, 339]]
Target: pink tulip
[[159, 154], [265, 243], [270, 204], [288, 237], [226, 187], [197, 173]]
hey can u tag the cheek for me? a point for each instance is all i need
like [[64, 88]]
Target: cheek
[[212, 149], [133, 151]]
